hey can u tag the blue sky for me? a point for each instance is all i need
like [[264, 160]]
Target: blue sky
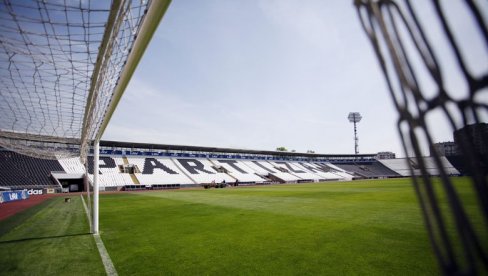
[[259, 74]]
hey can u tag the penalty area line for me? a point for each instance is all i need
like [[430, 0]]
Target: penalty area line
[[107, 262]]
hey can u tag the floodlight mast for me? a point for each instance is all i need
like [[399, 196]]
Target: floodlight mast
[[355, 117]]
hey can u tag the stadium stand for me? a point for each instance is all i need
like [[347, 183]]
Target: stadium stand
[[335, 170], [323, 174], [18, 171], [72, 165], [153, 171], [433, 170], [369, 170], [201, 171], [268, 170], [303, 175], [310, 172], [260, 171], [401, 166], [110, 175], [145, 169], [258, 168], [239, 171]]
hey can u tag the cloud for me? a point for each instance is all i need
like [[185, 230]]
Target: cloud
[[308, 20]]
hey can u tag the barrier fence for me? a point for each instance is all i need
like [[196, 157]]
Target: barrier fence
[[13, 196]]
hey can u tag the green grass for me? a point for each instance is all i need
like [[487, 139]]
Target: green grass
[[361, 227], [346, 228], [49, 239]]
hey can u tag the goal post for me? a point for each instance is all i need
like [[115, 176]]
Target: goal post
[[96, 189], [154, 15], [152, 18]]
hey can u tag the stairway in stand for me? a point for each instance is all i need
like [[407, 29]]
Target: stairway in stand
[[132, 176]]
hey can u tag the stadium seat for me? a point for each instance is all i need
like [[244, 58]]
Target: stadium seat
[[18, 171]]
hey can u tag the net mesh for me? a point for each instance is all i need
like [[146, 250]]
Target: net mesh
[[421, 87], [59, 65]]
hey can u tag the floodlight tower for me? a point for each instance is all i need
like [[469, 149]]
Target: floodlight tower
[[355, 117]]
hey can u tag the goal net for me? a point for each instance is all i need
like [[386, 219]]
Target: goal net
[[61, 64], [438, 81], [64, 66]]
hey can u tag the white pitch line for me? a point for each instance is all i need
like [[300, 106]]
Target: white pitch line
[[86, 211], [107, 262]]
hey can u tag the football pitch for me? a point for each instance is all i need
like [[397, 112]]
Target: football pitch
[[360, 227]]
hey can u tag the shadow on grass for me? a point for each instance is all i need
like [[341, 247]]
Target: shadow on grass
[[44, 238], [11, 222]]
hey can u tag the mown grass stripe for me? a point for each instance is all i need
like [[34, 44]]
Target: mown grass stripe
[[54, 240], [368, 227], [107, 262], [10, 223]]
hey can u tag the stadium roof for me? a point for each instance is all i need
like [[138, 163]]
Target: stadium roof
[[132, 145], [64, 67]]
